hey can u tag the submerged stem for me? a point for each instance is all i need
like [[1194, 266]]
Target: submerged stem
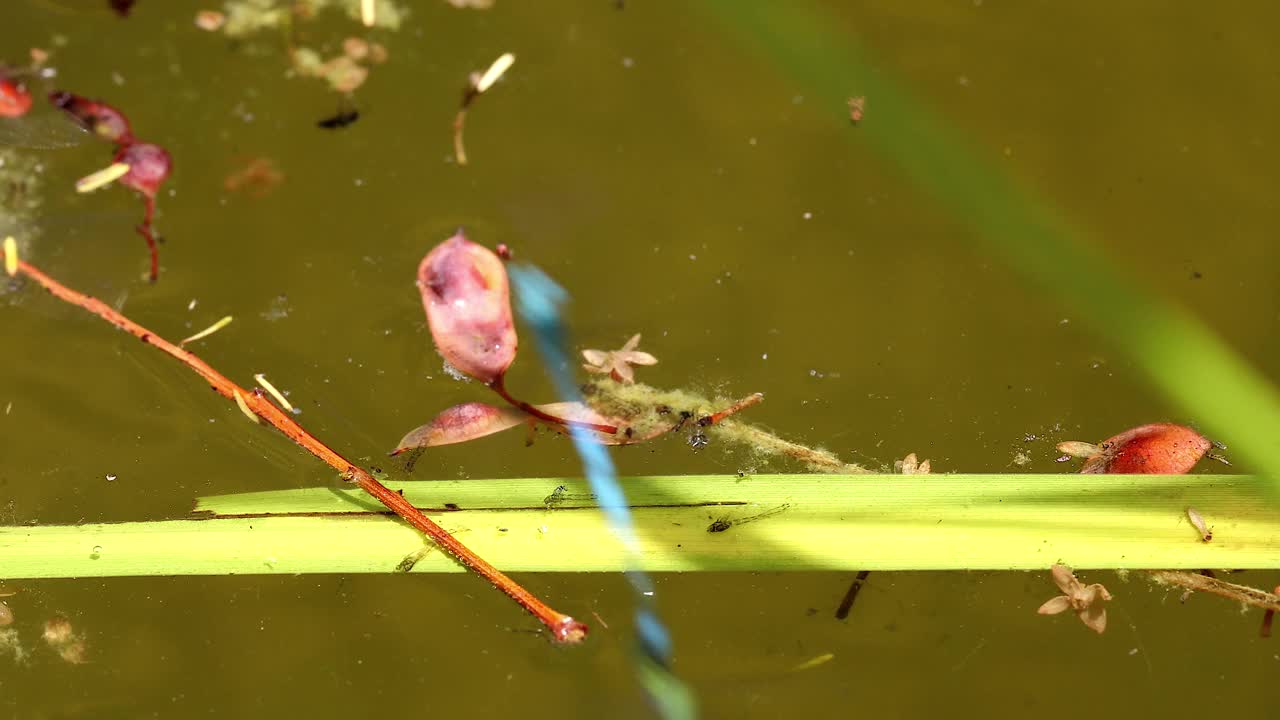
[[145, 230], [499, 386], [563, 628]]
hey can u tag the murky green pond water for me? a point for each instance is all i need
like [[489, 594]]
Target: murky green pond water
[[679, 186]]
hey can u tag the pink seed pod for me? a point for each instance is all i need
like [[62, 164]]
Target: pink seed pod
[[468, 303]]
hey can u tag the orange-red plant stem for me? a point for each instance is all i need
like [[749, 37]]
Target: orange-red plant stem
[[500, 387], [563, 628], [743, 404]]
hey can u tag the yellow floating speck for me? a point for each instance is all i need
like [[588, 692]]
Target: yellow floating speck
[[266, 385], [208, 331], [368, 13], [244, 406], [814, 662], [10, 256], [495, 71], [102, 178]]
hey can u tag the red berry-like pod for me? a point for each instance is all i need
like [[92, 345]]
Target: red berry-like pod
[[97, 117], [1156, 449], [15, 99], [149, 165]]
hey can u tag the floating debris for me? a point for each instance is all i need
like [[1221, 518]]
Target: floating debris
[[1086, 601], [102, 178], [63, 638], [208, 331], [244, 407], [343, 118], [257, 177], [911, 465], [477, 85], [822, 659], [210, 20], [280, 398], [617, 363], [10, 256], [856, 107]]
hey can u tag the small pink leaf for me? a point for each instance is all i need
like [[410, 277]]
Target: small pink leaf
[[461, 423], [468, 302], [1053, 606]]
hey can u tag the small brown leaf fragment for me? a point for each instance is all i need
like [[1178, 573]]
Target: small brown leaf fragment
[[911, 465], [1088, 602], [461, 423]]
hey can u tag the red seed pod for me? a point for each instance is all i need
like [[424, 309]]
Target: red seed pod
[[149, 165], [468, 302], [1156, 449], [15, 99], [97, 117]]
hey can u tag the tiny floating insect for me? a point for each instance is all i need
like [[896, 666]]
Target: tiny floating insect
[[1206, 532], [341, 119]]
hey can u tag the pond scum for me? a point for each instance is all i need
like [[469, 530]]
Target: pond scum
[[464, 289]]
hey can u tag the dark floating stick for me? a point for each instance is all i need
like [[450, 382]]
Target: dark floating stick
[[855, 587]]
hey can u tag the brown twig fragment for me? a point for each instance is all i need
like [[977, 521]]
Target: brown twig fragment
[[1204, 583], [563, 628]]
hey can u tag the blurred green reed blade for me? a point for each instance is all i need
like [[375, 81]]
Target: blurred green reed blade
[[761, 522], [1182, 357]]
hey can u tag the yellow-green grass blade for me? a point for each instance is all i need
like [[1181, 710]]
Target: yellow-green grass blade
[[762, 522]]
